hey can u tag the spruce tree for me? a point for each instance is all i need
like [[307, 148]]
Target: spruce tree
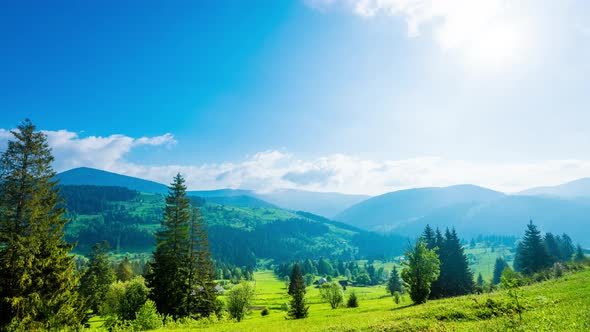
[[298, 308], [201, 296], [499, 267], [125, 270], [394, 283], [566, 248], [552, 247], [167, 278], [531, 253], [579, 255], [97, 279], [429, 237], [455, 276], [38, 276]]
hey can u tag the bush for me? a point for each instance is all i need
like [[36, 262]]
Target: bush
[[352, 300], [397, 297], [332, 293], [285, 307], [239, 299], [264, 312], [147, 318]]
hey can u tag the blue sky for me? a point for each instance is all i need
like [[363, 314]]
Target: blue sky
[[357, 96]]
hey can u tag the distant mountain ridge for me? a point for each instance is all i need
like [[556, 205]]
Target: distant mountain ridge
[[576, 188], [324, 204], [472, 211]]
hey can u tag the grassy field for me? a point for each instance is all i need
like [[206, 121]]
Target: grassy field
[[556, 305]]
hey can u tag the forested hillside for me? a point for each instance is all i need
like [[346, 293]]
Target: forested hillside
[[239, 235]]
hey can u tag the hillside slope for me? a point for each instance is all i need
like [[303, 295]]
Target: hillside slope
[[576, 188], [97, 177]]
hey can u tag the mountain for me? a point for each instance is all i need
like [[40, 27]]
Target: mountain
[[97, 177], [576, 188], [404, 206], [321, 203], [324, 204], [127, 220], [472, 211]]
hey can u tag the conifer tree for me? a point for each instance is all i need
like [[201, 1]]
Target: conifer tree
[[566, 247], [499, 267], [394, 283], [429, 237], [531, 253], [298, 308], [167, 278], [201, 296], [552, 246], [480, 280], [37, 274], [97, 279], [579, 256]]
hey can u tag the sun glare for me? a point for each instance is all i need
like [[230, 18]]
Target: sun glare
[[495, 48]]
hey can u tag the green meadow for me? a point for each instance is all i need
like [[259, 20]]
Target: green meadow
[[556, 305]]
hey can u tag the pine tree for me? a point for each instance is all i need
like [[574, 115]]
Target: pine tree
[[480, 280], [201, 299], [167, 278], [531, 253], [552, 247], [460, 276], [499, 267], [566, 248], [422, 268], [37, 273], [95, 282], [394, 284], [298, 308], [429, 237]]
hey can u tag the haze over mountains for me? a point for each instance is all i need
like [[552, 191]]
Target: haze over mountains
[[471, 209]]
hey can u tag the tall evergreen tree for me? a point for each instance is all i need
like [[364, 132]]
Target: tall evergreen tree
[[96, 280], [531, 253], [552, 245], [298, 308], [394, 283], [429, 237], [167, 278], [566, 247], [579, 255], [201, 297], [455, 276], [499, 267], [37, 274]]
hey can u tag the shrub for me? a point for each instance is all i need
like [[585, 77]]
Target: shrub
[[239, 299], [285, 307], [264, 312], [332, 293], [397, 297], [147, 318], [353, 301]]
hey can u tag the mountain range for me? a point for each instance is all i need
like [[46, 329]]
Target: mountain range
[[472, 210]]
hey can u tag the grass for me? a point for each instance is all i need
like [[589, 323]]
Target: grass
[[556, 305]]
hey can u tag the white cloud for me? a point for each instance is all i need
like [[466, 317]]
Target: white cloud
[[270, 170]]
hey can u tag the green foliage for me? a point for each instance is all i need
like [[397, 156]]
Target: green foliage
[[332, 293], [394, 284], [124, 299], [353, 301], [512, 281], [147, 317], [182, 273], [124, 270], [397, 297], [499, 267], [265, 312], [455, 276], [308, 279], [298, 308], [579, 256], [421, 269], [363, 279], [37, 275], [239, 300], [97, 279], [531, 253]]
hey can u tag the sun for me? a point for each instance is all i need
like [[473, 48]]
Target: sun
[[496, 47]]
